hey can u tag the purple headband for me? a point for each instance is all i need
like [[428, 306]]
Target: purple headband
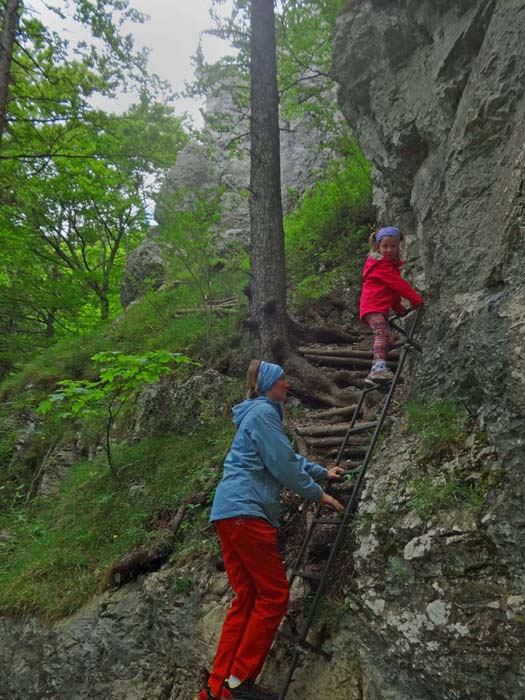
[[388, 231]]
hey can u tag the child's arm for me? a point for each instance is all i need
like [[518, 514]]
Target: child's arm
[[393, 279]]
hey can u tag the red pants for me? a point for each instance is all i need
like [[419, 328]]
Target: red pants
[[257, 576]]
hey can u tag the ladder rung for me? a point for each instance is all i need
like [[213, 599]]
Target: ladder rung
[[328, 521], [302, 646], [350, 472], [306, 574]]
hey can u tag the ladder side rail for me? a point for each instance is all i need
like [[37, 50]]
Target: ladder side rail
[[355, 416], [351, 505], [352, 502], [302, 551]]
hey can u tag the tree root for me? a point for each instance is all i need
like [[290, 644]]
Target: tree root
[[145, 559], [316, 334], [311, 385]]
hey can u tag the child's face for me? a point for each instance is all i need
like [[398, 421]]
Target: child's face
[[389, 247]]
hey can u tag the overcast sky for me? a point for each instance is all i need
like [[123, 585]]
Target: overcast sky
[[172, 34]]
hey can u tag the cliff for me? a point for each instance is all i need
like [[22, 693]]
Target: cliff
[[435, 94]]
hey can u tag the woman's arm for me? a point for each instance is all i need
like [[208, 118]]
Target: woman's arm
[[279, 458]]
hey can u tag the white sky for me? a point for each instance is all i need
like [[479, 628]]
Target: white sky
[[173, 34]]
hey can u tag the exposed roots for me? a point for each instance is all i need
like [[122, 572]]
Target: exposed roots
[[310, 384], [317, 334]]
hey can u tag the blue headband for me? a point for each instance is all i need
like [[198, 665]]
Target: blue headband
[[268, 375], [388, 231]]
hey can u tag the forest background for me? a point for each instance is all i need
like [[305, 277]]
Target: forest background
[[76, 184]]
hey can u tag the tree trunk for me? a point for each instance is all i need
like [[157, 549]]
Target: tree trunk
[[104, 307], [268, 284], [9, 27], [270, 325]]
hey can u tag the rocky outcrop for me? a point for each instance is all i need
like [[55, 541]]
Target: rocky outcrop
[[173, 405], [144, 642], [209, 165], [145, 270], [435, 94]]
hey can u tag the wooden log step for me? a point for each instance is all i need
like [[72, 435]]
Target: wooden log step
[[332, 412], [329, 361], [349, 451], [331, 429], [344, 352], [318, 441]]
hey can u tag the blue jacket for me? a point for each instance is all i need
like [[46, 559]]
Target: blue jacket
[[260, 462]]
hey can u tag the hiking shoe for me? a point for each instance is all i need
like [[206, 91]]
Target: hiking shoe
[[206, 694], [379, 376], [248, 690]]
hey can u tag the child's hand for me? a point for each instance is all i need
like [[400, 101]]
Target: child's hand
[[335, 472]]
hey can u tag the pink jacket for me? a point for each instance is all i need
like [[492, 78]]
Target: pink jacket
[[383, 288]]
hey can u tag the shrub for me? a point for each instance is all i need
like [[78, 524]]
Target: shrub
[[326, 241]]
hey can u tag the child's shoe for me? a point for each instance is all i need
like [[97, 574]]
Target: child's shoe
[[379, 374], [248, 690], [206, 694]]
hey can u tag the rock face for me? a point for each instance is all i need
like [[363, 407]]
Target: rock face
[[435, 94], [145, 269], [208, 165], [145, 642]]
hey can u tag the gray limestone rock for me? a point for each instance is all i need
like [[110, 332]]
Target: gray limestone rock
[[145, 270], [435, 94]]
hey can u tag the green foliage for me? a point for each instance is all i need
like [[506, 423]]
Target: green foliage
[[57, 549], [75, 180], [120, 376], [304, 30], [440, 425], [325, 243], [190, 227], [432, 495]]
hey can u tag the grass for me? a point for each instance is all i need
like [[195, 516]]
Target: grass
[[59, 548], [432, 495], [440, 425], [149, 324]]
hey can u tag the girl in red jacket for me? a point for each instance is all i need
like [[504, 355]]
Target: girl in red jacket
[[383, 288]]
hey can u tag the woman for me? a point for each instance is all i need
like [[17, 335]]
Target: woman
[[246, 515]]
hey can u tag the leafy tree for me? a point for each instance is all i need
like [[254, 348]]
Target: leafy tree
[[68, 227], [190, 226], [73, 180], [121, 376], [47, 80], [304, 30]]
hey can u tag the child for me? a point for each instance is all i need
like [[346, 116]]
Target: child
[[383, 288]]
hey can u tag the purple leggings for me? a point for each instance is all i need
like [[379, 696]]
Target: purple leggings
[[382, 335]]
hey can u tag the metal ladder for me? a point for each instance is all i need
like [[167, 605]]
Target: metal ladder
[[302, 646]]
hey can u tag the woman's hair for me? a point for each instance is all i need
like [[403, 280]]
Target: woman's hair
[[374, 245], [252, 389]]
